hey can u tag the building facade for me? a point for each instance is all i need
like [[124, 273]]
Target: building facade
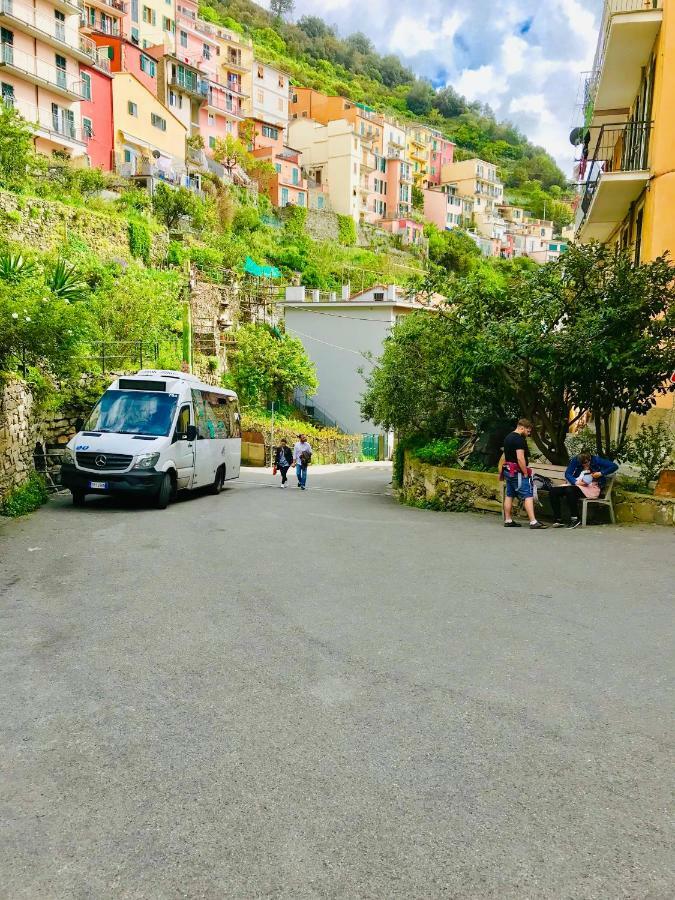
[[97, 115]]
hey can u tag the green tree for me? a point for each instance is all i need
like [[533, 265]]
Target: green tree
[[452, 251], [269, 366], [449, 103], [281, 8], [16, 142], [420, 98], [171, 205], [417, 197]]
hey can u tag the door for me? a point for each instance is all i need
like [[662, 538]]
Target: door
[[233, 443], [205, 446], [183, 450]]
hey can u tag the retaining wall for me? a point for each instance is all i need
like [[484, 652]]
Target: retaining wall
[[459, 490]]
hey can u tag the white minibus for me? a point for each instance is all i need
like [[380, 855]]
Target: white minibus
[[155, 433]]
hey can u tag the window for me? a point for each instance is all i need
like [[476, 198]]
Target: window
[[206, 51], [134, 13], [277, 166], [175, 100], [216, 416], [212, 142], [284, 196], [168, 24], [128, 156], [269, 132], [282, 81], [135, 36], [60, 70], [260, 96], [8, 94], [638, 236], [132, 108], [280, 104], [86, 85], [296, 176], [148, 66], [149, 16], [183, 421], [301, 199], [183, 38], [87, 128], [158, 121], [378, 295], [319, 201], [211, 119], [261, 72]]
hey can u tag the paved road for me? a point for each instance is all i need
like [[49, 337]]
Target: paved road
[[278, 694]]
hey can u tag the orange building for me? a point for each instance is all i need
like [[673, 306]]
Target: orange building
[[307, 103]]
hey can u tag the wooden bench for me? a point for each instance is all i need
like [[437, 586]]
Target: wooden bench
[[557, 477]]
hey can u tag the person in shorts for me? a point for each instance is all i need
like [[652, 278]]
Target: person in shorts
[[517, 475]]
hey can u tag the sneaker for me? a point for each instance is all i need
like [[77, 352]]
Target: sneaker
[[558, 524], [512, 525], [574, 523], [537, 526]]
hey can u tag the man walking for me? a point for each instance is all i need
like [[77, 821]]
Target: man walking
[[518, 476], [302, 456], [283, 460]]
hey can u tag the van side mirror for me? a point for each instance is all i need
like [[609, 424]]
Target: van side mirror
[[191, 433]]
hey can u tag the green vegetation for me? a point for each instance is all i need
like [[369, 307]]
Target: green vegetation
[[593, 332], [25, 498], [268, 366], [328, 444], [346, 231], [439, 452], [315, 56], [650, 451]]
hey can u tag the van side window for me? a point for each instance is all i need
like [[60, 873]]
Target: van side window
[[201, 416], [235, 422], [183, 420]]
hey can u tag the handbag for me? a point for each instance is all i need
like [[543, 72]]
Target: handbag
[[274, 469]]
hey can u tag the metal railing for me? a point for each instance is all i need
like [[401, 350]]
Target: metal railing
[[620, 148], [55, 122], [37, 68]]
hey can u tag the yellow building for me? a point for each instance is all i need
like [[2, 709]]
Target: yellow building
[[149, 141], [418, 151], [628, 195], [151, 22]]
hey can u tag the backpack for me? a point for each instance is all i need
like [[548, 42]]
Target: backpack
[[542, 482], [305, 458]]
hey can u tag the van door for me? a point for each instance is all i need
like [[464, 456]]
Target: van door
[[205, 446], [184, 450], [234, 439]]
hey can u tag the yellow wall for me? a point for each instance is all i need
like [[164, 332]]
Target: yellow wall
[[125, 88], [151, 35]]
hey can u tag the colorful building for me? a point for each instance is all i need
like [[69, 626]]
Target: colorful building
[[124, 56], [105, 17], [149, 23], [149, 141], [441, 153], [97, 115], [443, 207], [334, 159], [408, 229], [41, 50], [288, 187], [478, 180], [418, 141], [268, 107], [307, 103]]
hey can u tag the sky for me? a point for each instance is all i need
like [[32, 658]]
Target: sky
[[523, 57]]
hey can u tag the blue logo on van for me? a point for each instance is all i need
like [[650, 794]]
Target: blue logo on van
[[82, 447]]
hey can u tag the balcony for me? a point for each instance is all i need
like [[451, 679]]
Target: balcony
[[63, 37], [40, 73], [627, 34], [617, 176], [196, 87], [110, 7], [50, 125]]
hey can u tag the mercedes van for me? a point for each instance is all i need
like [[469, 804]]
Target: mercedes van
[[155, 433]]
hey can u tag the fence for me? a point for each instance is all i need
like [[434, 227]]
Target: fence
[[620, 148], [112, 356]]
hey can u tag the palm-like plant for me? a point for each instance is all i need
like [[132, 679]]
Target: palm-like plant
[[14, 267], [65, 282]]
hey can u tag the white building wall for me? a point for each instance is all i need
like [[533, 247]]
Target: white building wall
[[335, 339], [269, 99]]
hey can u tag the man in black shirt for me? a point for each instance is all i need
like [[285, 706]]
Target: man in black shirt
[[518, 475]]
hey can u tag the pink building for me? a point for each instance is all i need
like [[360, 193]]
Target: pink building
[[97, 115], [123, 56], [441, 153], [410, 231], [288, 187], [443, 207], [41, 50], [399, 186]]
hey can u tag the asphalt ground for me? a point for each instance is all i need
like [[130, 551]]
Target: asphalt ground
[[326, 694]]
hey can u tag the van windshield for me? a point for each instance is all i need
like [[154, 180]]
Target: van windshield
[[133, 412]]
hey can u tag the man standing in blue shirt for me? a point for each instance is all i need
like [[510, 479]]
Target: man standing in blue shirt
[[586, 476], [302, 456]]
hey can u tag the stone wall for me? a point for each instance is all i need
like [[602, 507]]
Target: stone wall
[[46, 225], [17, 435], [458, 490]]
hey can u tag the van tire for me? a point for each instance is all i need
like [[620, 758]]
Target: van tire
[[78, 498], [218, 481], [163, 495]]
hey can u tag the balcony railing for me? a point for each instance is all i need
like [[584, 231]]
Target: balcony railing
[[39, 70], [52, 28], [620, 148], [56, 122]]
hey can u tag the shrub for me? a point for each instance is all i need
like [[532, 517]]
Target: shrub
[[650, 450], [346, 230], [139, 241], [25, 498], [441, 452]]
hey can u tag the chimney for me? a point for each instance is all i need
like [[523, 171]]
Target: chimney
[[391, 292]]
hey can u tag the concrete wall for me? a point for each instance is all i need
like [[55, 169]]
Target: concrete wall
[[336, 339], [458, 490]]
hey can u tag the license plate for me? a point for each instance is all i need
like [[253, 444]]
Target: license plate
[[98, 485]]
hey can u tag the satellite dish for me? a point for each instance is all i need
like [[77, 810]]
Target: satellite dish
[[156, 154], [576, 136]]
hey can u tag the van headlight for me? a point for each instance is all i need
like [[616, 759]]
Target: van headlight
[[146, 461], [67, 456]]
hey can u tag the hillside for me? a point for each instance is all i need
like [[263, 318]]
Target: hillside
[[316, 56]]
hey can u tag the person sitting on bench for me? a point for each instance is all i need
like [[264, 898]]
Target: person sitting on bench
[[586, 476]]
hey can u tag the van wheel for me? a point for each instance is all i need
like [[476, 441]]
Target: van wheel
[[164, 493], [78, 498], [218, 481]]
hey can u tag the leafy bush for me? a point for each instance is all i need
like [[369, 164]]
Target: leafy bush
[[439, 452], [14, 267], [346, 230], [328, 444], [25, 498], [650, 450], [16, 149], [140, 241], [65, 282]]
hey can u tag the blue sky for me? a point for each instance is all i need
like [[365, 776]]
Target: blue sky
[[523, 57]]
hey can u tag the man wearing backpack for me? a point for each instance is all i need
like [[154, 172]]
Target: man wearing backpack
[[302, 457]]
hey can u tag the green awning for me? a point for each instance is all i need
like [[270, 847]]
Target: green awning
[[252, 268]]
